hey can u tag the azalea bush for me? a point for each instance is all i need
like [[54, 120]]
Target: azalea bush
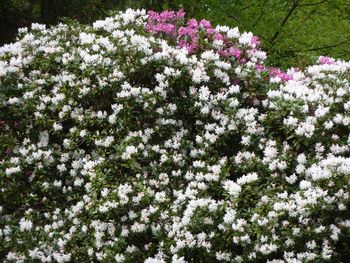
[[147, 137]]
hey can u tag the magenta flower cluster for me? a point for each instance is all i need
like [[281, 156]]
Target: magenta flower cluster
[[199, 35], [164, 22], [326, 60], [188, 35], [276, 72]]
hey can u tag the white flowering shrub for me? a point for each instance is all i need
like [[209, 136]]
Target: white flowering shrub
[[146, 138]]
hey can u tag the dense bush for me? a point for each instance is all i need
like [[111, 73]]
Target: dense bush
[[146, 138]]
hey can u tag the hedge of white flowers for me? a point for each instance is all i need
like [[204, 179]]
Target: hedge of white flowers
[[149, 138]]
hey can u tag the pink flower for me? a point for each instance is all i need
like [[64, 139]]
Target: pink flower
[[153, 15], [260, 67], [235, 52], [231, 52], [190, 46], [210, 31], [161, 28], [192, 23], [205, 23], [186, 31], [187, 35], [255, 41], [284, 76], [218, 36], [325, 60], [164, 22], [166, 15], [276, 72]]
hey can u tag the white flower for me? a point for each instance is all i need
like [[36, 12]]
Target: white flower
[[57, 127], [245, 179], [86, 38], [233, 33], [245, 38], [304, 185], [119, 258], [25, 225], [129, 151], [12, 170], [232, 188]]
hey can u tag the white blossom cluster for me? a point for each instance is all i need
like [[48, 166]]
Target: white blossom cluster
[[126, 148]]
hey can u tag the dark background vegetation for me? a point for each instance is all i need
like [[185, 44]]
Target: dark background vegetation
[[293, 32]]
